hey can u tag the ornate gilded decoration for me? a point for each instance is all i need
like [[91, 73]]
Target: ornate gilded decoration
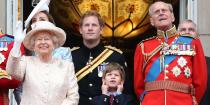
[[4, 74], [124, 18], [19, 10]]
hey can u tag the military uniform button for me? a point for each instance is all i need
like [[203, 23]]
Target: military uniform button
[[166, 77], [90, 98], [90, 84], [117, 101], [166, 71], [105, 99]]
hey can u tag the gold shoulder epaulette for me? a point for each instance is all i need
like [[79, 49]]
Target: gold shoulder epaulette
[[147, 39], [74, 48], [189, 35], [114, 48]]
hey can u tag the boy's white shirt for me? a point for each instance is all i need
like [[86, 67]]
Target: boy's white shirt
[[114, 93]]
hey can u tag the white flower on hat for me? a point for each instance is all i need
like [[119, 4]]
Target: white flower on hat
[[41, 6]]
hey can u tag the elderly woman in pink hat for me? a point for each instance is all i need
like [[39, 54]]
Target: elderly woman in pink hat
[[46, 80]]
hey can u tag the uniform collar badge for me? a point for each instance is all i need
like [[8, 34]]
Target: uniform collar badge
[[169, 33]]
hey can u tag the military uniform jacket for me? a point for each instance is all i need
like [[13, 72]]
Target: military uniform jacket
[[184, 67], [122, 99], [90, 85], [6, 81]]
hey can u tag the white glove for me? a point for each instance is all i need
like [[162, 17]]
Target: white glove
[[18, 39]]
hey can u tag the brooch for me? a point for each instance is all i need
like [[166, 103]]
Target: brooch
[[176, 71], [182, 61], [187, 72]]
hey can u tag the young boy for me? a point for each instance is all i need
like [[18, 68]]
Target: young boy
[[112, 87]]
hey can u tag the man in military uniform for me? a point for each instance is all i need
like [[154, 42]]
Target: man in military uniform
[[92, 57], [169, 69], [6, 81], [189, 27]]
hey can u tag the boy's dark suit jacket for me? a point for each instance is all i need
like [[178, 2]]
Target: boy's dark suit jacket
[[118, 100]]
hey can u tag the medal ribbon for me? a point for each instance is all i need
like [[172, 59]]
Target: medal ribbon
[[154, 72]]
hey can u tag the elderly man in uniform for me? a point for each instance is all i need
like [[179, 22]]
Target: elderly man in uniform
[[169, 68], [92, 57]]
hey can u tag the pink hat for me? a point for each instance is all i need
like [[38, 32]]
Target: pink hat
[[44, 26]]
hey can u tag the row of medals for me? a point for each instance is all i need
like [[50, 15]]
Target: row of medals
[[101, 67], [179, 49]]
